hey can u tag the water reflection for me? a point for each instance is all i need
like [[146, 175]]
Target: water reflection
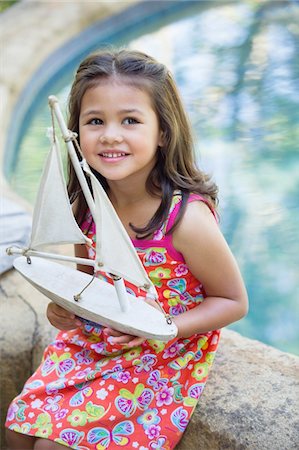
[[237, 67]]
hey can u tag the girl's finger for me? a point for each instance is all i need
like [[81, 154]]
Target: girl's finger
[[110, 332]]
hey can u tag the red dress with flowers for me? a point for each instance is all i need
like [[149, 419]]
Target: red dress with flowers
[[90, 394]]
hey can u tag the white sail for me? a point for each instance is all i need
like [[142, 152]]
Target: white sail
[[115, 252], [53, 220]]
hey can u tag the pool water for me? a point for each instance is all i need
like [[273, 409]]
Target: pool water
[[237, 67]]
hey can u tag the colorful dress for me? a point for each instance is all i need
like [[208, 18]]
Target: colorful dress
[[90, 394]]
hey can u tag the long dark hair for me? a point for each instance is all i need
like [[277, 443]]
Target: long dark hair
[[175, 166]]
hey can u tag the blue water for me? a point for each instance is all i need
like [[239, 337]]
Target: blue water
[[237, 67]]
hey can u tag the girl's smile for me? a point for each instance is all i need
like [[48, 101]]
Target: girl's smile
[[119, 130]]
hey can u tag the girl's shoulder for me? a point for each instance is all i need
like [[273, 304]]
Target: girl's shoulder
[[177, 203]]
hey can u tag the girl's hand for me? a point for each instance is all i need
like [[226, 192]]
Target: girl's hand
[[118, 338], [61, 318]]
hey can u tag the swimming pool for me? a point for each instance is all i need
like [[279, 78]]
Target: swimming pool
[[237, 66]]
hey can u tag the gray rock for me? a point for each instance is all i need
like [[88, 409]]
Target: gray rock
[[15, 227]]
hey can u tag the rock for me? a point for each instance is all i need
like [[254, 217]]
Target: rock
[[251, 400], [15, 227], [24, 333]]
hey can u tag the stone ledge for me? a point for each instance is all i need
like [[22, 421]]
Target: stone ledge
[[251, 400]]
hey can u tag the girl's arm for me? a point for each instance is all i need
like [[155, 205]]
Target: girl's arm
[[209, 258], [59, 317]]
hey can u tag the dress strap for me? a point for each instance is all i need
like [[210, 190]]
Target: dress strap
[[176, 205]]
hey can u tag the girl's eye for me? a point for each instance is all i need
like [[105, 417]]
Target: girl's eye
[[95, 122], [130, 121]]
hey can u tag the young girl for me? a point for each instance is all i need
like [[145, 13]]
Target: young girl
[[96, 387]]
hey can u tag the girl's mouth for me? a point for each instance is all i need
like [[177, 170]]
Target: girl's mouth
[[112, 155]]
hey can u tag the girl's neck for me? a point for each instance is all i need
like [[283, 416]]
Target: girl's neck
[[133, 206], [125, 195]]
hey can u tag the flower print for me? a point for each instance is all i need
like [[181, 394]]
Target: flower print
[[164, 396], [83, 357], [12, 410], [202, 343], [148, 418], [102, 394], [158, 274], [158, 235], [78, 418], [59, 344], [54, 386], [52, 403], [84, 373], [154, 256], [99, 347], [200, 371], [77, 341], [132, 353], [23, 428], [43, 425], [198, 298], [181, 270], [145, 364], [71, 438], [173, 350], [177, 309], [61, 414], [179, 418], [156, 381], [123, 377], [161, 444], [112, 373], [157, 346], [153, 431], [210, 357], [92, 331], [194, 392], [62, 364], [128, 402], [36, 404], [175, 301]]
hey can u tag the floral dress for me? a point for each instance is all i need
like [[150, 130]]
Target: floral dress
[[90, 394]]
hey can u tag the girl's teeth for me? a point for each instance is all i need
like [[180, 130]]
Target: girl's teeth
[[113, 155]]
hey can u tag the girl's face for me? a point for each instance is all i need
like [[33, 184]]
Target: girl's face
[[119, 131]]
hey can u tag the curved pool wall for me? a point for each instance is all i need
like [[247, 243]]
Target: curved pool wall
[[56, 70]]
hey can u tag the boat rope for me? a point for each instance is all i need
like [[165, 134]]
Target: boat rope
[[78, 296], [167, 316]]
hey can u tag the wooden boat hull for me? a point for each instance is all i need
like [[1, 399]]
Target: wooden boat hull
[[98, 303]]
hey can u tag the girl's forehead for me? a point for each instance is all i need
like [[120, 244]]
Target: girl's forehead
[[118, 88]]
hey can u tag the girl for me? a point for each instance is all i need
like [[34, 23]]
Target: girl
[[98, 388]]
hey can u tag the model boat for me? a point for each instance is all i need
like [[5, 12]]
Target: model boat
[[87, 296]]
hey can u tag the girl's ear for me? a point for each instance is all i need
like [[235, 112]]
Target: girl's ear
[[161, 141]]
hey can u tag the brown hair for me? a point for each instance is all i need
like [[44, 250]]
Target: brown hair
[[175, 167]]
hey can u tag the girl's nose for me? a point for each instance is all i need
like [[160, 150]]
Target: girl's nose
[[111, 137]]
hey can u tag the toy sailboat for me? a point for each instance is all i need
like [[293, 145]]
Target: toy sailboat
[[87, 296]]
